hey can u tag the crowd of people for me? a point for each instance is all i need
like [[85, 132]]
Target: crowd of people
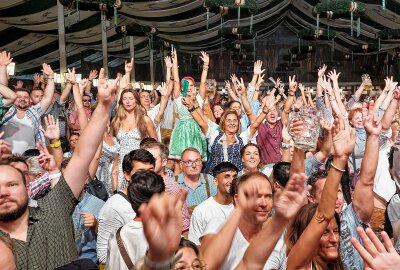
[[189, 177]]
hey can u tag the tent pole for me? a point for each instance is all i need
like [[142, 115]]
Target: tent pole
[[61, 41], [104, 42]]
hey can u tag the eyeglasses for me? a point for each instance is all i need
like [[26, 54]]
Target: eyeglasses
[[190, 163], [196, 265], [86, 100]]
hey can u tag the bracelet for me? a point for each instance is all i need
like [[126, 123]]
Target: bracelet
[[50, 78], [286, 145], [54, 175], [340, 170], [56, 144], [164, 265], [193, 109]]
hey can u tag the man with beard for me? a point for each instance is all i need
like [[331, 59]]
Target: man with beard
[[22, 124], [218, 206], [43, 236]]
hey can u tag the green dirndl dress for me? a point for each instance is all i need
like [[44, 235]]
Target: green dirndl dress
[[187, 133]]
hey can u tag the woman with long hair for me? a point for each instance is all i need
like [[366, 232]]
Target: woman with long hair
[[130, 125]]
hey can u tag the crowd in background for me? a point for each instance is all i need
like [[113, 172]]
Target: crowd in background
[[189, 176]]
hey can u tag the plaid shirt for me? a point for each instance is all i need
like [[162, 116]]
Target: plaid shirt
[[174, 189], [3, 108], [33, 113], [40, 186], [50, 234]]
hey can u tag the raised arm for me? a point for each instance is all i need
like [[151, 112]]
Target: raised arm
[[196, 114], [303, 95], [320, 82], [168, 68], [52, 133], [8, 95], [245, 101], [92, 75], [326, 147], [381, 98], [175, 70], [302, 252], [332, 97], [334, 78], [49, 90], [166, 90], [363, 192], [257, 71], [76, 171], [203, 81], [5, 60], [388, 97], [391, 110], [286, 205], [230, 91], [289, 101]]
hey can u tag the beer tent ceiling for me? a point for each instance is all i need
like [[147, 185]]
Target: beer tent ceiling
[[29, 29]]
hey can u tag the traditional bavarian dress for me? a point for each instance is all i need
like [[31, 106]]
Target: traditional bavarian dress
[[220, 151]]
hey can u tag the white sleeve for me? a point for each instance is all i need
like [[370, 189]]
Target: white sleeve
[[211, 135], [213, 226], [109, 222], [200, 100], [196, 228], [245, 135]]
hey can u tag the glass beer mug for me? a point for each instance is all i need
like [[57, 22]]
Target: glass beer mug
[[308, 137], [366, 79]]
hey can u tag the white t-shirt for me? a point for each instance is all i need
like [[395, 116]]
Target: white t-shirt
[[135, 243], [20, 134], [152, 113], [168, 118], [202, 215], [239, 246], [384, 186], [115, 213]]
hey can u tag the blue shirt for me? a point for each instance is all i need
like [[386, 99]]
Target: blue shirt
[[349, 221], [85, 239], [199, 193]]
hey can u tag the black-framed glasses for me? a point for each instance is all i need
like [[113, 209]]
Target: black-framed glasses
[[196, 265], [190, 163]]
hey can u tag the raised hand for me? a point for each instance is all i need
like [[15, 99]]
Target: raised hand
[[163, 90], [344, 138], [292, 84], [321, 70], [89, 220], [93, 75], [376, 255], [128, 66], [301, 87], [162, 224], [260, 81], [52, 131], [241, 88], [278, 82], [36, 79], [71, 76], [298, 103], [333, 75], [168, 61], [188, 102], [174, 56], [106, 90], [5, 58], [247, 195], [371, 121], [269, 102], [205, 58], [82, 84], [19, 84], [289, 201], [47, 70], [258, 68], [46, 160]]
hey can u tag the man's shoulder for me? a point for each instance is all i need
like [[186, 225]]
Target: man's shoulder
[[115, 202]]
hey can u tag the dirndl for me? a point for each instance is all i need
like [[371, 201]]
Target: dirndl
[[187, 133]]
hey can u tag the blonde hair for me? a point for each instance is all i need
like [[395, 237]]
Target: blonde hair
[[223, 120], [121, 115]]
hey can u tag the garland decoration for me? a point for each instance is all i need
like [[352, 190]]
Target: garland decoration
[[223, 7], [321, 34], [341, 9], [235, 33]]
